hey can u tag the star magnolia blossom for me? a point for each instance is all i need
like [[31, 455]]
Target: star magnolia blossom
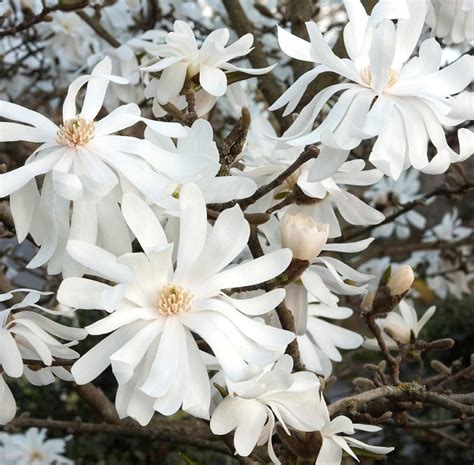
[[252, 405], [216, 189], [333, 445], [155, 306], [29, 335], [83, 161], [124, 63], [180, 57], [68, 39], [400, 326], [32, 448], [452, 21], [388, 194], [323, 180], [320, 341], [389, 96], [450, 229]]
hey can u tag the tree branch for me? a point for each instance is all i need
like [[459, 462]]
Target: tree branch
[[439, 191], [187, 432], [269, 85]]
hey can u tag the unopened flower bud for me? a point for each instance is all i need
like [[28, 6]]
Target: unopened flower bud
[[401, 280], [441, 368], [304, 236], [442, 344]]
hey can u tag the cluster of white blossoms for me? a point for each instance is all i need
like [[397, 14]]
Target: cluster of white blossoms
[[190, 264], [32, 448], [390, 95], [26, 334]]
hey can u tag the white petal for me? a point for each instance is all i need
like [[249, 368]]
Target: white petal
[[213, 80], [120, 118], [143, 222], [10, 357], [98, 260], [7, 401], [249, 428], [294, 46], [166, 364], [192, 229], [16, 179], [96, 360], [228, 238], [260, 304], [329, 454], [252, 272]]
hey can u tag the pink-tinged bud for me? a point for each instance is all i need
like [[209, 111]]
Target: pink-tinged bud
[[401, 280], [304, 236]]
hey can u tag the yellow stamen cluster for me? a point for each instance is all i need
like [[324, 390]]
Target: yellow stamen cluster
[[36, 456], [76, 131], [173, 300], [366, 75]]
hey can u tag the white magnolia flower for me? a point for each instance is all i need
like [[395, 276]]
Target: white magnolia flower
[[181, 57], [83, 161], [199, 141], [320, 341], [32, 448], [69, 40], [452, 21], [251, 407], [333, 445], [446, 273], [155, 306], [450, 229], [124, 63], [28, 335], [326, 179], [323, 179], [388, 194], [401, 325], [388, 96]]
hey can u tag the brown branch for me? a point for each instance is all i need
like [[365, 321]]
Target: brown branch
[[7, 286], [98, 28], [98, 401], [301, 11], [404, 392], [187, 432], [174, 111], [432, 424], [39, 18], [405, 248], [6, 215], [439, 191], [467, 372], [309, 153], [269, 85], [287, 322]]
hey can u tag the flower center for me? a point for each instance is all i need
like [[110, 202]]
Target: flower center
[[36, 455], [366, 76], [173, 300], [76, 131]]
